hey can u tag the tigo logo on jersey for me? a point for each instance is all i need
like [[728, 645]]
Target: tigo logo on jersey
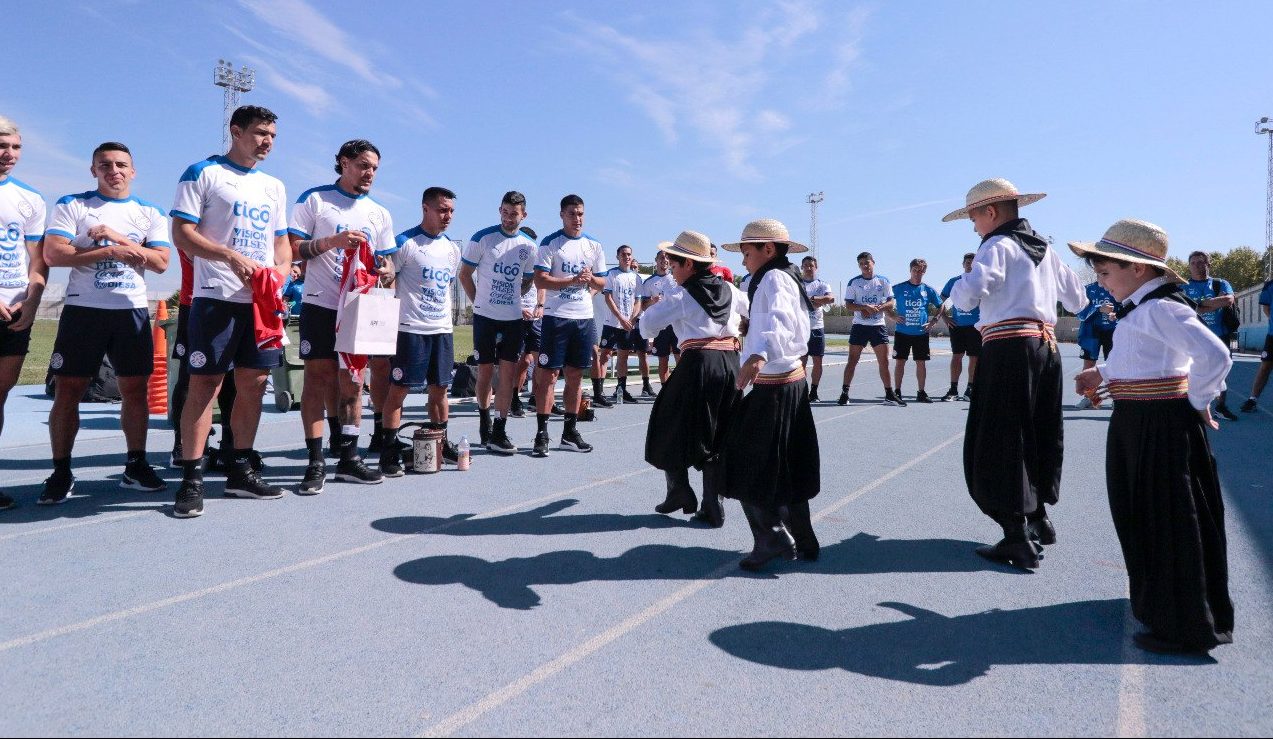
[[260, 217], [442, 277], [10, 236], [509, 271]]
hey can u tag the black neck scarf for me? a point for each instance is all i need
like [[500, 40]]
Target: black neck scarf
[[711, 293], [784, 265], [1034, 245], [1170, 291]]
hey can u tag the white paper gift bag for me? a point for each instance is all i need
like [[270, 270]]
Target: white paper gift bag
[[368, 324]]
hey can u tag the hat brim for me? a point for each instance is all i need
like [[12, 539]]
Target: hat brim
[[1022, 201], [1086, 249], [672, 248], [793, 247]]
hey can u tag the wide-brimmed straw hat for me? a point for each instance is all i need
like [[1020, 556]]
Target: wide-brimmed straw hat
[[1138, 242], [765, 230], [997, 190], [691, 245]]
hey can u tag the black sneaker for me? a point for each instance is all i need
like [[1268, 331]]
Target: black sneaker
[[515, 409], [6, 502], [391, 462], [541, 445], [255, 461], [648, 392], [813, 396], [602, 401], [922, 397], [500, 443], [844, 398], [951, 394], [892, 398], [1248, 406], [628, 398], [314, 479], [968, 393], [174, 461], [356, 470], [57, 488], [248, 484], [141, 476], [189, 500], [558, 410], [450, 452], [1223, 411], [573, 441]]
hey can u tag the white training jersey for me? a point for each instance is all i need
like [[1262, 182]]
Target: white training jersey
[[427, 267], [816, 288], [500, 263], [875, 291], [22, 216], [236, 207], [561, 256], [108, 283], [656, 286], [625, 288], [329, 210]]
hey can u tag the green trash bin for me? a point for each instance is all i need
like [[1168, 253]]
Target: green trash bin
[[289, 377]]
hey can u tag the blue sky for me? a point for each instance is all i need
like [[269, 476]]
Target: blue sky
[[674, 115]]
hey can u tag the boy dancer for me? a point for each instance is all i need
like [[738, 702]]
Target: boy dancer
[[1164, 493], [911, 301]]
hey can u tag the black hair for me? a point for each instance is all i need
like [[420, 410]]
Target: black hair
[[680, 260], [1096, 260], [917, 262], [571, 200], [110, 146], [352, 149], [970, 255], [865, 255], [1198, 253], [512, 197], [810, 258], [621, 248], [529, 232], [781, 248], [433, 194], [246, 115]]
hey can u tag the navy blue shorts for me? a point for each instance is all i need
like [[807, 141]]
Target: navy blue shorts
[[423, 359], [1268, 349], [566, 342], [665, 344], [496, 340], [965, 340], [85, 335], [222, 337], [13, 343], [817, 342], [532, 332], [183, 333], [318, 332], [862, 335], [1102, 341], [614, 337]]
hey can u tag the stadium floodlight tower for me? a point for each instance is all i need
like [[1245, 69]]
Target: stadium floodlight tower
[[234, 83], [1264, 127], [813, 200]]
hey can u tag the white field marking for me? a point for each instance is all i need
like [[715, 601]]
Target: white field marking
[[297, 567], [1131, 684], [77, 524], [499, 697]]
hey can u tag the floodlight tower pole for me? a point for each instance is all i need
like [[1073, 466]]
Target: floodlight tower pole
[[234, 84], [813, 200], [1264, 127]]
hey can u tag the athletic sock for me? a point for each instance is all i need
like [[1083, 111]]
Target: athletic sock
[[348, 442], [192, 470], [242, 460], [333, 426], [484, 414], [623, 384], [377, 426], [645, 382], [315, 449], [541, 421], [571, 419], [844, 388], [597, 387], [954, 388], [813, 388], [137, 455], [62, 465]]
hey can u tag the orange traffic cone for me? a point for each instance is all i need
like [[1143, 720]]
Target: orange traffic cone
[[157, 389]]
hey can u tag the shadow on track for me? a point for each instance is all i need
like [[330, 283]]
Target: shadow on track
[[928, 648]]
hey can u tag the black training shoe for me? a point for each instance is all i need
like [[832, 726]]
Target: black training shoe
[[897, 399], [57, 488], [500, 443], [541, 445], [174, 461], [189, 500], [968, 393], [813, 396], [573, 441], [6, 502], [648, 392], [450, 452], [248, 484], [314, 480], [356, 470], [141, 476], [922, 397], [483, 428], [627, 397], [391, 462], [602, 401], [844, 398], [558, 410], [951, 394], [1223, 411], [515, 409], [1248, 406]]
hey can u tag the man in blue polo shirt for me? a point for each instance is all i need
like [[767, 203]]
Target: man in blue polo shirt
[[1213, 297], [964, 336], [1266, 358], [1098, 319], [912, 299]]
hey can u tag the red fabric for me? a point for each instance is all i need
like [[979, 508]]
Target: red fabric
[[267, 308], [187, 279], [723, 271], [358, 275]]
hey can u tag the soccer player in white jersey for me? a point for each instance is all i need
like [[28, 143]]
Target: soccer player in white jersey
[[328, 225], [870, 296], [619, 334], [652, 291], [498, 270], [22, 268], [425, 262], [110, 239], [532, 330], [820, 295], [230, 218], [569, 265]]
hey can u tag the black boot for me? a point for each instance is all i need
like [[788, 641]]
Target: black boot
[[712, 511], [1040, 527], [771, 539], [1014, 549], [800, 525], [679, 493]]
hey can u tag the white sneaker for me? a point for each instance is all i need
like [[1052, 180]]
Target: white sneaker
[[1084, 403]]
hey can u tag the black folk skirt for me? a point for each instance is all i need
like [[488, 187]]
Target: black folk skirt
[[692, 411], [771, 450], [1164, 495], [1014, 442]]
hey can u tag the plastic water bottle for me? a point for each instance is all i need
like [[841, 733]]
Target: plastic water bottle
[[463, 463]]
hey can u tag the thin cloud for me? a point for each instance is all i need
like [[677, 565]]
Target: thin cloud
[[889, 211], [315, 98], [301, 22]]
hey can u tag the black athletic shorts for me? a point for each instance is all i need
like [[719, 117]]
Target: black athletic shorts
[[906, 344], [965, 340]]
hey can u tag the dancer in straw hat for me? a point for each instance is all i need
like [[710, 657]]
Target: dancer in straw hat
[[1165, 369], [688, 422], [771, 450], [1013, 446]]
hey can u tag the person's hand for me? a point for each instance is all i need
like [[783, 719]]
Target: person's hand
[[585, 276], [1208, 420], [528, 314], [133, 256], [950, 322], [348, 239], [22, 320], [384, 269], [1107, 309], [626, 324], [102, 232], [929, 326], [747, 373], [1087, 381], [241, 266], [539, 312]]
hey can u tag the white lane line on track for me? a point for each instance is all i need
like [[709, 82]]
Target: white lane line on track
[[297, 567], [499, 697]]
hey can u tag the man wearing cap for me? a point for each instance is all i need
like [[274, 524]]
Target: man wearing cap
[[689, 418], [1014, 444], [964, 336], [771, 449]]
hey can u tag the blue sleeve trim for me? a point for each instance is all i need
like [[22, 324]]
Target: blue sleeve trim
[[281, 232], [312, 190], [484, 233], [23, 185], [149, 204], [184, 216], [34, 237], [60, 232], [542, 268], [192, 172], [299, 233], [159, 244], [471, 264]]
